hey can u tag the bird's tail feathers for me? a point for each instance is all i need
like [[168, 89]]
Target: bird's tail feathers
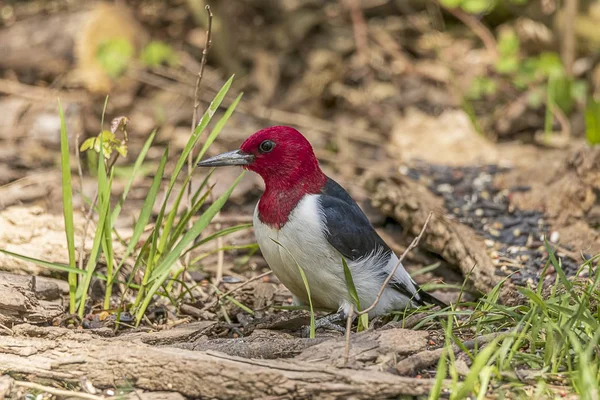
[[425, 298]]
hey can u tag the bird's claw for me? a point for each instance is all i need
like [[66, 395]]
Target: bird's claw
[[328, 322]]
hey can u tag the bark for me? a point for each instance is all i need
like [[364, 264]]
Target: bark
[[19, 301]]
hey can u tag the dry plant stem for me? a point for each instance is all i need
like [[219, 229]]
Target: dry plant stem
[[482, 32], [195, 121], [359, 27], [348, 329], [414, 244], [57, 392], [569, 44], [257, 277]]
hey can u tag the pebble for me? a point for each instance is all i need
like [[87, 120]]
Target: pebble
[[554, 237]]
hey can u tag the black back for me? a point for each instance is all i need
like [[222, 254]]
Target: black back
[[349, 229]]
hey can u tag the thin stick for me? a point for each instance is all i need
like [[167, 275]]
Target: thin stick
[[348, 329], [257, 277], [359, 27], [414, 244], [57, 392], [569, 44], [477, 27], [190, 163]]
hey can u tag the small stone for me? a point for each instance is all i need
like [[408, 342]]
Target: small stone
[[554, 237], [494, 232], [479, 212], [489, 243], [516, 232], [445, 188]]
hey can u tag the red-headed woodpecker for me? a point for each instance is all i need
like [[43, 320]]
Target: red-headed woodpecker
[[316, 222]]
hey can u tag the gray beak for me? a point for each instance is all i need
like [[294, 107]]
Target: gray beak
[[236, 157]]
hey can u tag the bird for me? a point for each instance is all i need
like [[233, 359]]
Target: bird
[[305, 219]]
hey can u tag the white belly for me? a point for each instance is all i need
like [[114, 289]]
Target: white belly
[[303, 243]]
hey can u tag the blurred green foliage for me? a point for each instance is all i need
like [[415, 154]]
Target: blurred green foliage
[[114, 56], [158, 53], [477, 6], [592, 122]]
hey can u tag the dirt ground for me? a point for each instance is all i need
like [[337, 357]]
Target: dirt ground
[[377, 87]]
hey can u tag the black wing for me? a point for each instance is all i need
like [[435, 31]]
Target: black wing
[[349, 229], [350, 232]]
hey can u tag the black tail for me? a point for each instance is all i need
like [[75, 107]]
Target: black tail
[[426, 298]]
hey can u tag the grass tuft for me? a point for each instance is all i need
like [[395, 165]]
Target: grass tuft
[[171, 233]]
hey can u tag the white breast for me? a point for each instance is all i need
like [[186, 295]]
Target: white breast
[[303, 243]]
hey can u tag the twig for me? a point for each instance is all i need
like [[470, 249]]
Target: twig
[[569, 44], [7, 329], [482, 32], [359, 27], [207, 44], [257, 277], [414, 244], [195, 119], [348, 329], [57, 392]]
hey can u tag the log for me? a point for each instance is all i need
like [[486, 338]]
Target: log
[[67, 356], [19, 301]]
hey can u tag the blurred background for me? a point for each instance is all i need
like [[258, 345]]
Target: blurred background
[[376, 86]]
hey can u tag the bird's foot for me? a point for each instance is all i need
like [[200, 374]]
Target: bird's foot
[[330, 321]]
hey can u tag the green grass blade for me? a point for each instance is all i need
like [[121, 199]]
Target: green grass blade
[[234, 301], [218, 127], [592, 122], [46, 264], [104, 186], [67, 195], [107, 248], [136, 167], [221, 233], [162, 270], [183, 222], [212, 108], [442, 371], [307, 287], [146, 211], [479, 363], [363, 320]]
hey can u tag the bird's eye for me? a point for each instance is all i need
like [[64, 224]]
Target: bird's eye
[[266, 146]]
